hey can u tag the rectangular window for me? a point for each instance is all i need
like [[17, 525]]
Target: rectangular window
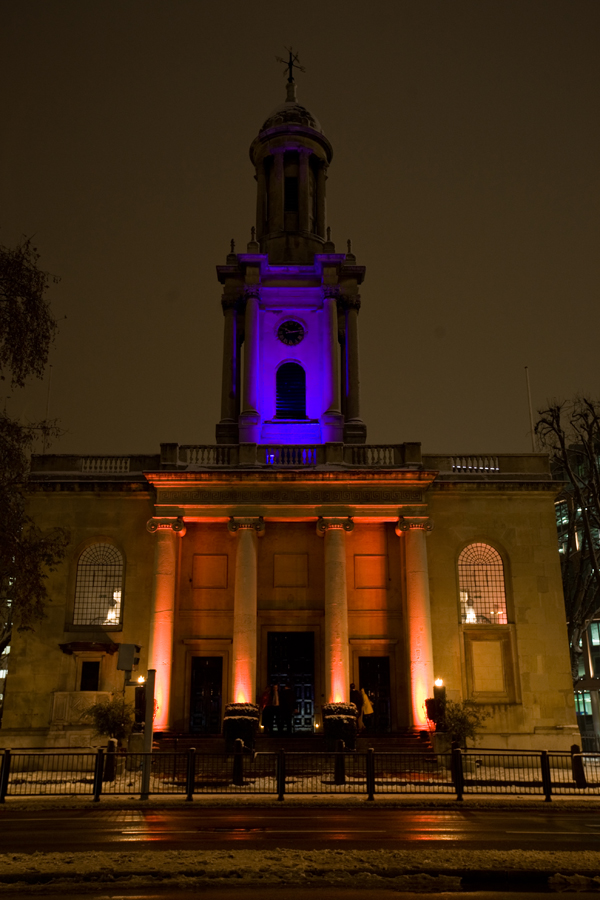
[[90, 675]]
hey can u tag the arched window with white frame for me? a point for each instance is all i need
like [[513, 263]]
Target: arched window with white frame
[[99, 586], [481, 586]]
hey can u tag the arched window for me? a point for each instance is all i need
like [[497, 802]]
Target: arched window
[[481, 585], [291, 391], [99, 586]]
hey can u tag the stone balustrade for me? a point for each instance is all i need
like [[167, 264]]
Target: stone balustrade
[[515, 466]]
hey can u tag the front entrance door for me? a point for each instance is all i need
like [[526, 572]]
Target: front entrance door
[[205, 700], [291, 660], [374, 677]]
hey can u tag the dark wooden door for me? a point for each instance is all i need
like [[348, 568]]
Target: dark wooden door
[[374, 677], [206, 696], [291, 660]]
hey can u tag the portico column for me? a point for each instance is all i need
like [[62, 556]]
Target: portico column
[[162, 615], [413, 530], [245, 608], [337, 651]]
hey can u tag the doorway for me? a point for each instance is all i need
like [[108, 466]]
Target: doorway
[[206, 695], [291, 660], [374, 677]]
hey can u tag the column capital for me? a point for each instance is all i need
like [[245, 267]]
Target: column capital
[[331, 291], [350, 301], [175, 525], [256, 523], [414, 523], [325, 523], [228, 302]]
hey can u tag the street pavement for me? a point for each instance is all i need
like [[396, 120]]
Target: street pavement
[[196, 828]]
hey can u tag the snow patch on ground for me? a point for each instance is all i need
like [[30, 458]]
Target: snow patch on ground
[[435, 870]]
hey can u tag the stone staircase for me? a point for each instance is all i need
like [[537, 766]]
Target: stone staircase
[[395, 742]]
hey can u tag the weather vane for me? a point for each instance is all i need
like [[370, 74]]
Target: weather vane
[[293, 62]]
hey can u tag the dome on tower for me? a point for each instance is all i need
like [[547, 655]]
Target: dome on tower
[[290, 112]]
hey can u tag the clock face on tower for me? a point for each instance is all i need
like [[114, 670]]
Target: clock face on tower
[[290, 332]]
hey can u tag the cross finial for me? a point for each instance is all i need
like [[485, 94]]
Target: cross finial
[[232, 245], [253, 232], [349, 246], [292, 62]]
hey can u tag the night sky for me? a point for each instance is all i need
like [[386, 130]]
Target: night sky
[[465, 170]]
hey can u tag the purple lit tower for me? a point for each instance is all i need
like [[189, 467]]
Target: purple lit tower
[[290, 351]]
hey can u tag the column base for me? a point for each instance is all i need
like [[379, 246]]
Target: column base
[[332, 428], [227, 432], [249, 428], [355, 432]]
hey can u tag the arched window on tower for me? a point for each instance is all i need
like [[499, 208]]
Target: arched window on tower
[[99, 586], [291, 391], [481, 585]]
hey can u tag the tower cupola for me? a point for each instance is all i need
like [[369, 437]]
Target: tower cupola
[[290, 156]]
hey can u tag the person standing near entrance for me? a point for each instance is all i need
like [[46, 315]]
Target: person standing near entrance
[[356, 698], [368, 714], [287, 708]]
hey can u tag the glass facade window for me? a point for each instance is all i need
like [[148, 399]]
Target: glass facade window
[[99, 586], [481, 585]]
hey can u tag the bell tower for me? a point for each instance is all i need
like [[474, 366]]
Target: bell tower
[[290, 352]]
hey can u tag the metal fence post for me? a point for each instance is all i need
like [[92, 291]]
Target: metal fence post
[[146, 770], [280, 774], [457, 772], [371, 773], [190, 775], [546, 776], [4, 773], [238, 762], [339, 765], [577, 766], [98, 773]]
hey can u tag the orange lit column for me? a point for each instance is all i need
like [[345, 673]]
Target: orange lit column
[[337, 652], [162, 616], [413, 531], [245, 608]]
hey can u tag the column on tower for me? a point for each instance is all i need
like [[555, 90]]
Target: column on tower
[[354, 430], [276, 190], [303, 189], [337, 650], [162, 616], [245, 608], [250, 419], [261, 197], [332, 417], [413, 530], [321, 178], [227, 429]]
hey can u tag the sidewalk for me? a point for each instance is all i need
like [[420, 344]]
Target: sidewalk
[[332, 801]]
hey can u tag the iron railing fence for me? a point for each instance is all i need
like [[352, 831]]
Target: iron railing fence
[[413, 773], [67, 773]]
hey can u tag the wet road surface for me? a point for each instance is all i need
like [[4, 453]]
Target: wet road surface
[[80, 830]]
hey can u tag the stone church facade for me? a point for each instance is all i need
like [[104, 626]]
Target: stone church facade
[[291, 550]]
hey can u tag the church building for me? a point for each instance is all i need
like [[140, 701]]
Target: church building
[[292, 551]]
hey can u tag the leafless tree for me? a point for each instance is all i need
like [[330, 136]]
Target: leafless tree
[[570, 431]]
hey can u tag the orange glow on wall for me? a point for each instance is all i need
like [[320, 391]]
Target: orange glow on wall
[[421, 689], [242, 683]]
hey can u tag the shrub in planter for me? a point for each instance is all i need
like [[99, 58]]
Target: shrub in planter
[[339, 723], [241, 721]]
